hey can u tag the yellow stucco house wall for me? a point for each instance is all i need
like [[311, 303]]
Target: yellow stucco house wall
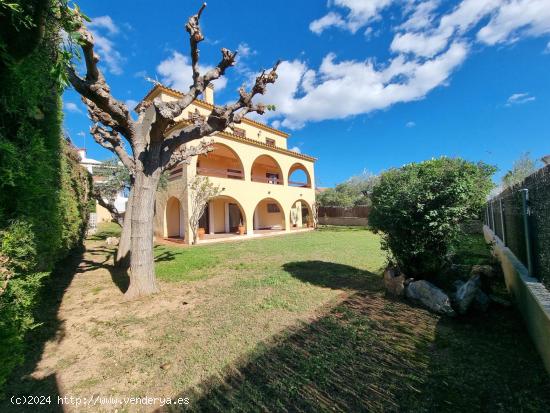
[[254, 168]]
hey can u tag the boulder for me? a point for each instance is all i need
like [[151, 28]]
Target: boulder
[[394, 281], [466, 294], [483, 270], [430, 296]]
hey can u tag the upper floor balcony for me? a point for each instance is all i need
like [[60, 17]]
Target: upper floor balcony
[[224, 162]]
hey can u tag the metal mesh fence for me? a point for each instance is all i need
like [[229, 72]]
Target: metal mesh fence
[[520, 217]]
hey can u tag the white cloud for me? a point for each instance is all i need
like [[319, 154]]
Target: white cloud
[[530, 17], [410, 124], [176, 72], [360, 13], [296, 149], [244, 50], [81, 133], [346, 88], [104, 22], [519, 98], [429, 44], [422, 15], [72, 107], [330, 19], [103, 29]]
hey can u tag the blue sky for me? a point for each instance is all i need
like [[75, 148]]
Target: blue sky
[[364, 84]]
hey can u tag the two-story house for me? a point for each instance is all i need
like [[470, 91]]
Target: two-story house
[[261, 180]]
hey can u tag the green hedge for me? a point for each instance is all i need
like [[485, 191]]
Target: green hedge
[[43, 189]]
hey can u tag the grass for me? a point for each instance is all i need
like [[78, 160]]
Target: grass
[[106, 230], [290, 323]]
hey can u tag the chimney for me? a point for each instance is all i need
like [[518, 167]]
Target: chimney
[[209, 94]]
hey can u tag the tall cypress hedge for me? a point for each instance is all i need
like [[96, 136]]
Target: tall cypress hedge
[[43, 189]]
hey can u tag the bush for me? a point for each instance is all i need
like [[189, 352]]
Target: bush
[[43, 189], [420, 206]]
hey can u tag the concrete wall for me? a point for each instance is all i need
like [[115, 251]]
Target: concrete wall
[[529, 295], [344, 221]]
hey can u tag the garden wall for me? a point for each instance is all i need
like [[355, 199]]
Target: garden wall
[[344, 216], [529, 294]]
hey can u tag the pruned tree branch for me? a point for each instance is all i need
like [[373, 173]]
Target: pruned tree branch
[[113, 210], [171, 110], [184, 154], [110, 139], [94, 87], [222, 117]]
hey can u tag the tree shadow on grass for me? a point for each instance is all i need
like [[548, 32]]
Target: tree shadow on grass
[[49, 327], [333, 275], [371, 353]]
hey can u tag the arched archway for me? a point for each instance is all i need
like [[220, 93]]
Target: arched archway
[[223, 215], [173, 219], [269, 215], [267, 170], [222, 162], [301, 214], [299, 176]]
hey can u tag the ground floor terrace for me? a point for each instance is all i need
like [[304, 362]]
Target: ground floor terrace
[[226, 219], [289, 323]]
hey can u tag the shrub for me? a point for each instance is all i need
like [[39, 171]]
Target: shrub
[[43, 189], [420, 206]]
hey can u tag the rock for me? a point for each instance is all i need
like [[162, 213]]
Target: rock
[[481, 301], [112, 240], [483, 270], [431, 296], [466, 294], [394, 281]]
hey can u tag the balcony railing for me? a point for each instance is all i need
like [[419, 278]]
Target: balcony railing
[[266, 180], [299, 184], [221, 173]]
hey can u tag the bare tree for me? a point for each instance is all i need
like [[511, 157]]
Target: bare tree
[[151, 150], [315, 213], [114, 180], [201, 190]]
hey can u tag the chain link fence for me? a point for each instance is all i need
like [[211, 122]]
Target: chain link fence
[[520, 217]]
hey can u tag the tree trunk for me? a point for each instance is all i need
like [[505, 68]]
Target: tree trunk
[[142, 265], [123, 252]]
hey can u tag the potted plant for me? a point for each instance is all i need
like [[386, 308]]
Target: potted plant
[[241, 228], [201, 233]]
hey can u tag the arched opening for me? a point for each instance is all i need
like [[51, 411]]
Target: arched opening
[[269, 216], [173, 227], [222, 162], [299, 176], [224, 215], [301, 215], [266, 169]]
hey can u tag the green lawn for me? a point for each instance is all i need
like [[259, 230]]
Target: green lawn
[[365, 352], [291, 323]]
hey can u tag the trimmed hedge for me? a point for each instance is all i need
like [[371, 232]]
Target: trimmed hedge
[[43, 189]]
